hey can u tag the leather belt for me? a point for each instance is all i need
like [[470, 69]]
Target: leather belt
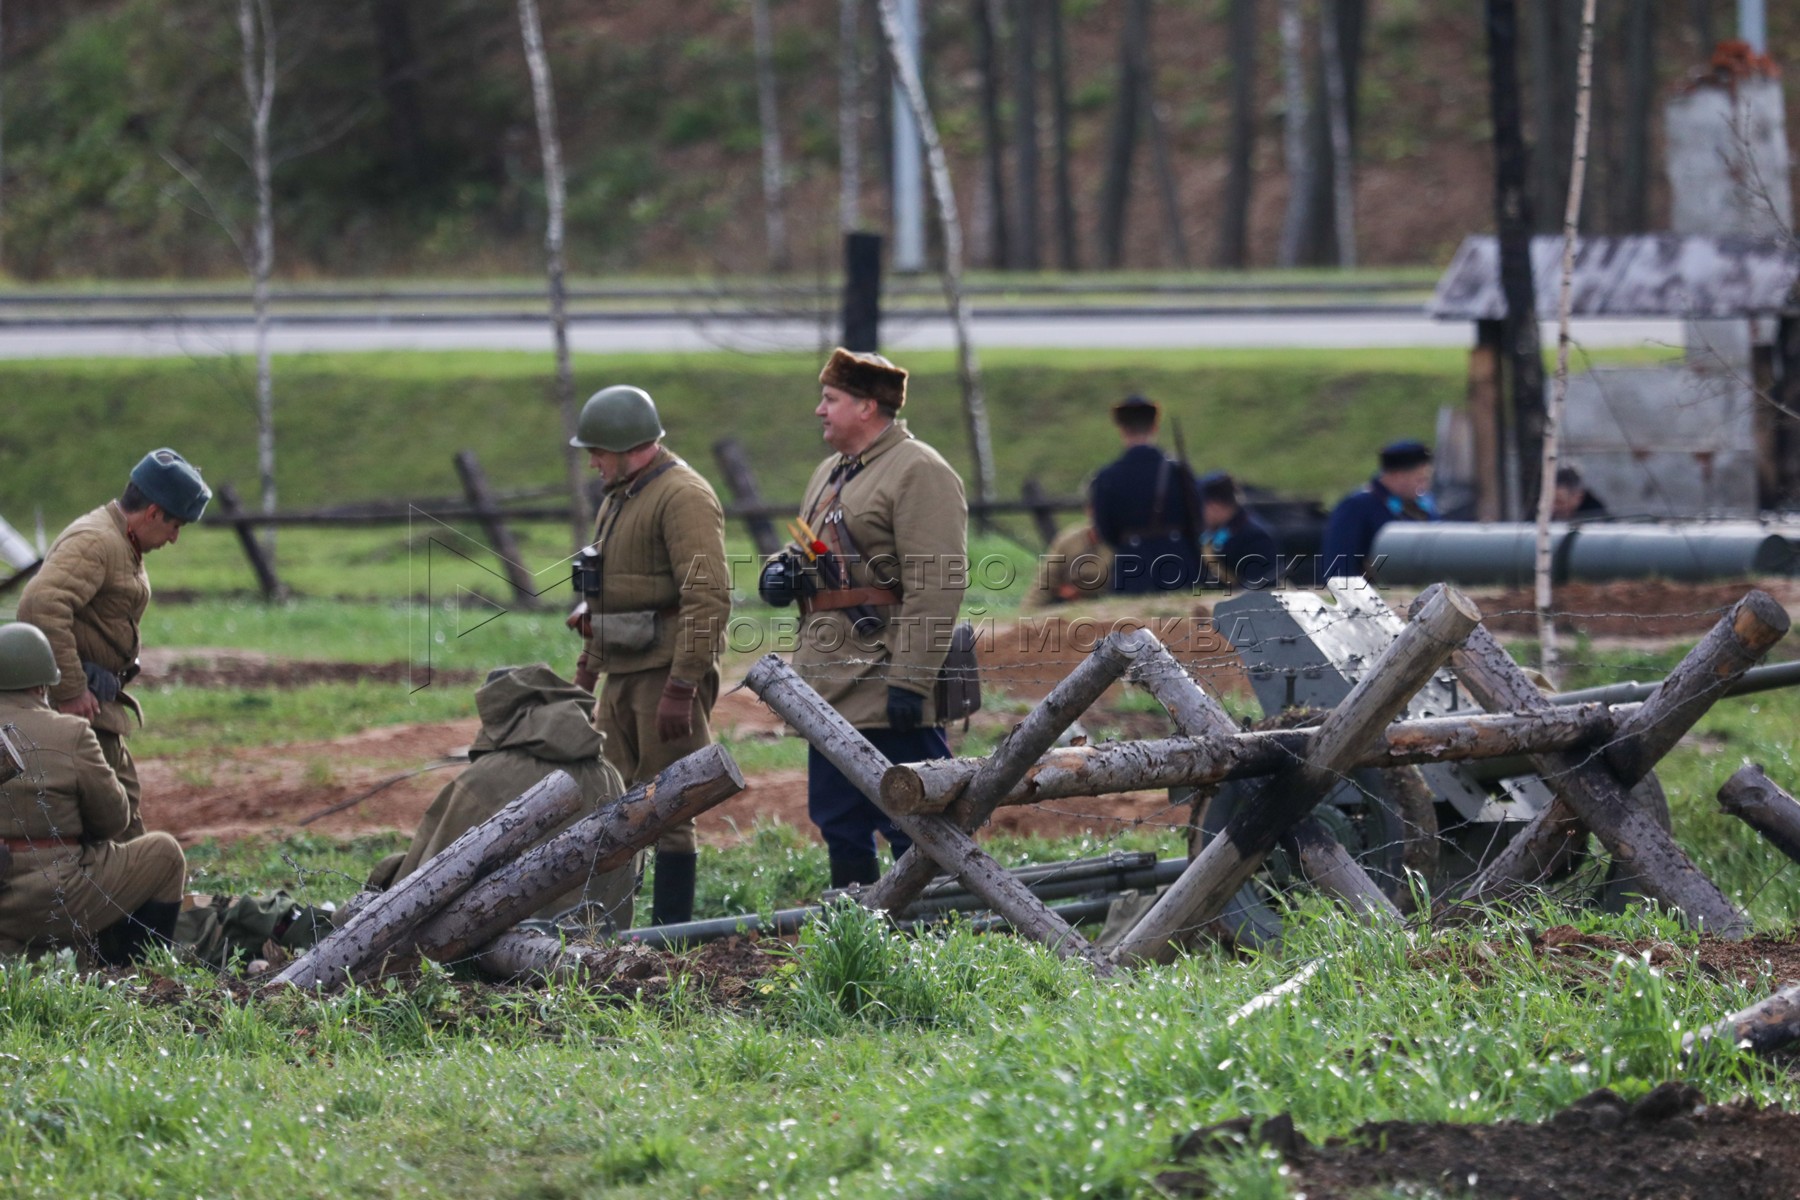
[[26, 845], [836, 598]]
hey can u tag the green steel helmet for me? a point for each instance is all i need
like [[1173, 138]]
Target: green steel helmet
[[617, 418], [26, 660], [172, 484]]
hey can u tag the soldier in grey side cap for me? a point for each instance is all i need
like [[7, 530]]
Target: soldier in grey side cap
[[90, 595]]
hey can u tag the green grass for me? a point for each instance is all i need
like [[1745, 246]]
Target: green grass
[[184, 720], [874, 1065], [381, 426]]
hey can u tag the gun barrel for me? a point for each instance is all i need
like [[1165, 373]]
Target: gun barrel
[[1757, 679]]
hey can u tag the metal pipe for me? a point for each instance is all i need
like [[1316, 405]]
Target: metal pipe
[[1756, 679], [786, 921], [1504, 554]]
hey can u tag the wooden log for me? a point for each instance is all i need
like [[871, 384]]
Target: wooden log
[[1768, 1025], [593, 845], [995, 775], [740, 477], [1736, 643], [388, 919], [493, 525], [1758, 801], [782, 689], [1229, 859], [1070, 771], [232, 508], [1329, 868], [1589, 795], [1195, 713], [518, 954]]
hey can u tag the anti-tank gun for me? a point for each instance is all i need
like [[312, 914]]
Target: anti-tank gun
[[1441, 820]]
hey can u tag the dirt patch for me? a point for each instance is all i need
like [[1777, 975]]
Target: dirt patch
[[1764, 960], [1641, 608], [1670, 1145], [209, 668], [1026, 658]]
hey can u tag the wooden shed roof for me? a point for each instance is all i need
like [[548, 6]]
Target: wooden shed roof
[[1644, 275]]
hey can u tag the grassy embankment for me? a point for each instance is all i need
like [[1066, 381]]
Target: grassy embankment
[[872, 1066]]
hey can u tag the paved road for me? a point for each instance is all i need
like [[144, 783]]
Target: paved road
[[1109, 329]]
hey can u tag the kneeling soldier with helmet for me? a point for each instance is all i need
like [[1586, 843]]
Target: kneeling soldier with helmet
[[69, 884], [878, 570], [656, 595]]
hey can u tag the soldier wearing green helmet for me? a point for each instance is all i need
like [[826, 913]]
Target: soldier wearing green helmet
[[67, 882], [655, 596], [90, 595]]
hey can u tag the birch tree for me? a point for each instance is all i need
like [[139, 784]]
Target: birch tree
[[1293, 132], [555, 196], [1584, 80], [256, 34], [768, 116], [906, 74]]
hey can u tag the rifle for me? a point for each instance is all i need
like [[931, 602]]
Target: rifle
[[1190, 492]]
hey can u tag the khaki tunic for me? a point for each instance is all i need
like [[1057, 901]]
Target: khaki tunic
[[907, 519], [1076, 566], [663, 551], [89, 598], [72, 881], [532, 723]]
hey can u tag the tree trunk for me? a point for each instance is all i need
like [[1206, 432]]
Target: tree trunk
[[388, 921], [1163, 159], [1115, 189], [997, 774], [599, 842], [1639, 107], [953, 850], [993, 141], [1337, 119], [256, 33], [397, 56], [1700, 13], [975, 418], [1026, 252], [1330, 869], [1068, 250], [550, 142], [1232, 252], [768, 117], [520, 955], [1295, 157], [1513, 220], [1755, 799], [849, 117], [1546, 497], [1228, 860], [1553, 50]]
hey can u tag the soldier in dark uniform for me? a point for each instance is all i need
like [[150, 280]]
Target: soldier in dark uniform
[[1572, 500], [1239, 550], [1144, 508], [1400, 491]]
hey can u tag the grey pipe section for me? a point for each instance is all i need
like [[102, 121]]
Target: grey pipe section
[[1756, 679], [786, 921], [1505, 554]]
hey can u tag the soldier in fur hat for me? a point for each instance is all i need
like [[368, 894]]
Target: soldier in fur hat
[[879, 589]]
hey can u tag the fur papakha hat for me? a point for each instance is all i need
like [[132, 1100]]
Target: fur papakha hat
[[869, 376]]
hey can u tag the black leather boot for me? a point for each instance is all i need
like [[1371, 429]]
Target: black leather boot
[[150, 925], [672, 890], [847, 869]]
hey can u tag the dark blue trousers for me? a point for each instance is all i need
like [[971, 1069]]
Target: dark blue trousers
[[846, 818]]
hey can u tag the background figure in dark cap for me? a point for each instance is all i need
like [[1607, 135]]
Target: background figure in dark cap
[[1238, 549], [1572, 500], [1400, 491], [1144, 508], [90, 595]]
